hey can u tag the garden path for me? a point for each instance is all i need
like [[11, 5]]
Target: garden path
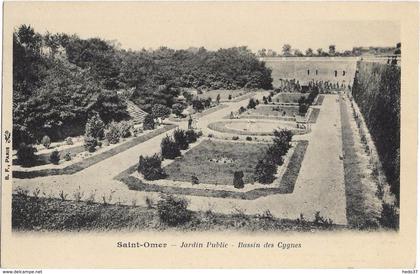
[[319, 187]]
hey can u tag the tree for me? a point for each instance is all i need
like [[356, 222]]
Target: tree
[[298, 53], [320, 51], [169, 148], [198, 105], [160, 111], [95, 126], [331, 50], [173, 211], [181, 139], [26, 155], [287, 49], [238, 181], [309, 52], [55, 157], [151, 167], [177, 109], [149, 122], [264, 171], [46, 141], [251, 104]]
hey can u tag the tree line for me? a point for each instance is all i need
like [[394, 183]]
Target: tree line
[[60, 80], [288, 51]]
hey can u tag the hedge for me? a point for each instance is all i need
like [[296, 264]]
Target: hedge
[[376, 90]]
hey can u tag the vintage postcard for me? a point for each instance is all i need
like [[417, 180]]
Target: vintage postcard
[[209, 134]]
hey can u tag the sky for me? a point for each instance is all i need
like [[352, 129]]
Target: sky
[[214, 26]]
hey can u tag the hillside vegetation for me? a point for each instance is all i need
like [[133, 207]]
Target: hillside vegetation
[[59, 80]]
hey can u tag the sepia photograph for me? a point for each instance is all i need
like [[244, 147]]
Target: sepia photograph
[[163, 119]]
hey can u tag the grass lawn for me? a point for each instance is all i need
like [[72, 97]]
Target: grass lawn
[[286, 185], [362, 203], [314, 115], [47, 214], [76, 167], [288, 97], [215, 162], [272, 110], [224, 94], [319, 100]]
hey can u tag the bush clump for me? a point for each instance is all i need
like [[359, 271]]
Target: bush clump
[[46, 141], [264, 171], [238, 181], [149, 122], [181, 139], [125, 128], [151, 167], [173, 211], [191, 136], [69, 141], [95, 127], [112, 133], [169, 148], [248, 138], [55, 157], [26, 155], [90, 143], [67, 156]]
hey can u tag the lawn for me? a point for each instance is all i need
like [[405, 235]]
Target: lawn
[[272, 110], [48, 214], [288, 97], [224, 94], [214, 162], [363, 206], [286, 185]]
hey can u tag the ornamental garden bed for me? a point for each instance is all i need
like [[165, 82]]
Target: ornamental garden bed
[[200, 161], [92, 158]]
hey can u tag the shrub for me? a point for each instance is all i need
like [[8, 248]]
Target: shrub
[[149, 122], [194, 180], [46, 141], [177, 109], [26, 155], [273, 156], [90, 143], [160, 111], [69, 141], [235, 138], [238, 181], [248, 138], [124, 128], [389, 216], [210, 135], [151, 167], [230, 97], [191, 136], [181, 139], [112, 133], [251, 104], [55, 157], [169, 148], [173, 211], [241, 110], [67, 156], [95, 127], [264, 171]]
